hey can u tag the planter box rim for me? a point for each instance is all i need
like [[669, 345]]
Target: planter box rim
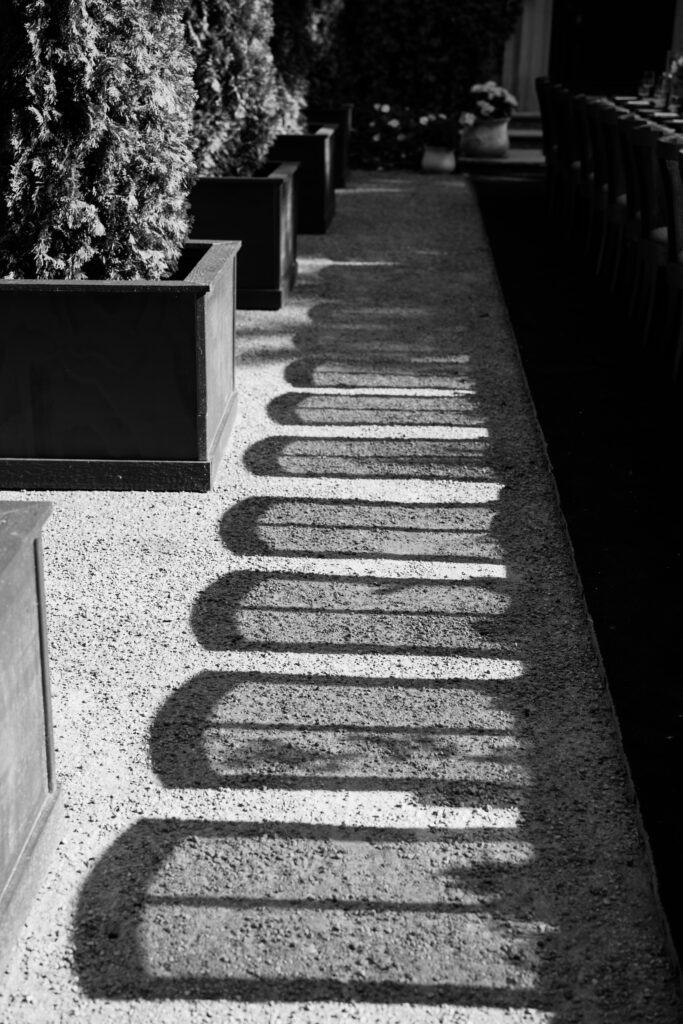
[[198, 281], [281, 169], [323, 129], [20, 521]]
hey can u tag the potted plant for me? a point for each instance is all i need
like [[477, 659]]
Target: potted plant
[[340, 115], [239, 194], [438, 137], [484, 120], [299, 37], [30, 799], [116, 353]]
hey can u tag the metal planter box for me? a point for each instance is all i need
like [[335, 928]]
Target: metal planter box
[[314, 152], [30, 802], [119, 385], [342, 117], [260, 211]]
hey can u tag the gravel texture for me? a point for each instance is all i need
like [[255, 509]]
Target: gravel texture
[[334, 739]]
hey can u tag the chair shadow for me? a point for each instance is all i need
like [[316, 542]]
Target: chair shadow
[[360, 529], [163, 915], [349, 372], [305, 409], [375, 458], [280, 611], [214, 733]]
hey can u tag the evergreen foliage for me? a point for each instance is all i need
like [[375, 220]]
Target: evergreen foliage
[[95, 138], [237, 114], [303, 42], [421, 56]]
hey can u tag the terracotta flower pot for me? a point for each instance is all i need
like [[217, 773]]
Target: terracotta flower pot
[[486, 138]]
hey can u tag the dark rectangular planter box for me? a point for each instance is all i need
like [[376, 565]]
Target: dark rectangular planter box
[[119, 385], [313, 151], [30, 801], [342, 117], [259, 211]]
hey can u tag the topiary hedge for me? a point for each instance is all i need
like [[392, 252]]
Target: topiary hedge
[[304, 42], [96, 105], [237, 114]]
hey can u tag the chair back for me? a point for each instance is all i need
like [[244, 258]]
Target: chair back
[[625, 125], [543, 87], [565, 121], [669, 153], [616, 177], [594, 107], [650, 185], [583, 139]]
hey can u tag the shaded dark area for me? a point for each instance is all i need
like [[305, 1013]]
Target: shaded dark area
[[604, 46], [614, 439]]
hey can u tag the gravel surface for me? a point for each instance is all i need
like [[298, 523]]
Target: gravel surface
[[334, 739]]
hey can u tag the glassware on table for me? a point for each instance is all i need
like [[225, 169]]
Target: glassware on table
[[647, 84]]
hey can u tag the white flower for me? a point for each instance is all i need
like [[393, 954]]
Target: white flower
[[424, 120], [485, 108], [466, 119], [385, 108], [394, 123], [376, 137]]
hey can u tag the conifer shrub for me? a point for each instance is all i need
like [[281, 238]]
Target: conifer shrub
[[96, 102], [237, 115], [304, 41]]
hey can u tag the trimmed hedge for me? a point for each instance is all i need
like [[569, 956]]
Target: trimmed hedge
[[96, 163], [237, 115], [304, 41]]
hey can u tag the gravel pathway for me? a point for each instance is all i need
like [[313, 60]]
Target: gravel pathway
[[334, 739]]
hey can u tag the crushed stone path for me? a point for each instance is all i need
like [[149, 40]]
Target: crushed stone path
[[334, 739]]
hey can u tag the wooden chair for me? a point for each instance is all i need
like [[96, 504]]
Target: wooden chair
[[670, 155], [617, 196], [653, 241], [568, 159], [595, 249], [550, 144], [628, 268], [586, 198]]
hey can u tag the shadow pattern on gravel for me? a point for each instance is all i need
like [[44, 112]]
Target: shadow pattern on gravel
[[427, 825]]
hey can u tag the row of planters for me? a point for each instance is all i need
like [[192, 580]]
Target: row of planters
[[156, 164]]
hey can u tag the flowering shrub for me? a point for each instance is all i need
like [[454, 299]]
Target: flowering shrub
[[389, 135], [385, 135], [487, 101]]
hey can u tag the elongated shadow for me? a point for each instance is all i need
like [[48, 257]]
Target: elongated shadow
[[336, 529], [219, 731], [384, 410], [377, 373], [322, 613], [378, 458], [164, 916]]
